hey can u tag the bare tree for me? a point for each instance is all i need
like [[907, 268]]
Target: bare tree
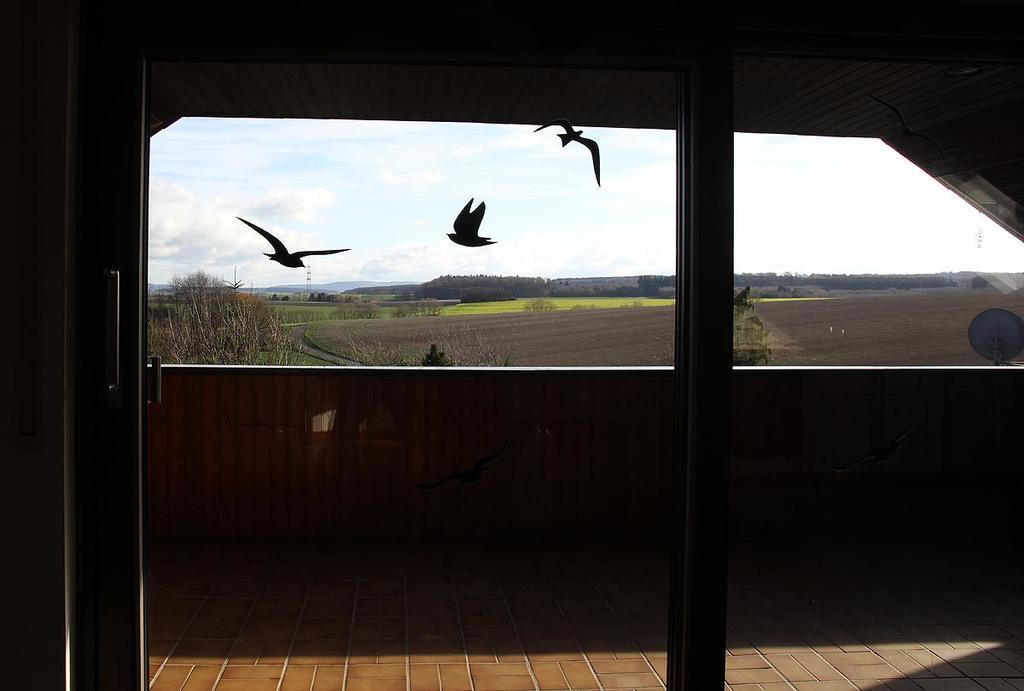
[[207, 322]]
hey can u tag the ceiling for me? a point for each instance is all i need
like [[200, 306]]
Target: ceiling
[[963, 130]]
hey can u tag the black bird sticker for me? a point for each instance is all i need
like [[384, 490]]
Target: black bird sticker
[[471, 475], [881, 454], [281, 254], [906, 128], [573, 135], [467, 226]]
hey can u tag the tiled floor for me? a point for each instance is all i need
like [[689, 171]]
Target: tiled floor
[[405, 618], [944, 615], [488, 617]]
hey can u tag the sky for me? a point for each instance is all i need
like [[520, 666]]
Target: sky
[[390, 191]]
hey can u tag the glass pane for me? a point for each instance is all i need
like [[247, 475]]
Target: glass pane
[[876, 215], [568, 257], [445, 529], [873, 544]]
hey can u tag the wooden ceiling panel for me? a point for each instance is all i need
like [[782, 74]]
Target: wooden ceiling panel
[[402, 92]]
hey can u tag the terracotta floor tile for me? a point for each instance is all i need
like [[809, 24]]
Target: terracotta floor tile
[[751, 676], [259, 651], [376, 684], [499, 669], [629, 681], [549, 676], [986, 669], [433, 627], [201, 679], [201, 651], [298, 678], [378, 627], [329, 678], [424, 677], [247, 685], [253, 672], [319, 652], [824, 686], [454, 677], [578, 675], [500, 683], [882, 671], [552, 650], [333, 588], [933, 663], [997, 685], [620, 666], [494, 650], [949, 685], [171, 678], [375, 671], [432, 606], [450, 650], [865, 658]]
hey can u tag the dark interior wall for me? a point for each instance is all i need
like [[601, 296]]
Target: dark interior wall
[[35, 43]]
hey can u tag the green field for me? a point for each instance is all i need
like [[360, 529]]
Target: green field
[[517, 305], [305, 314]]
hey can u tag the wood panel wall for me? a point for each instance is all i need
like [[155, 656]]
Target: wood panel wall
[[322, 452], [337, 452]]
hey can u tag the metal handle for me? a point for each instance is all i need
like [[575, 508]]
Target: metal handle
[[155, 380], [113, 277]]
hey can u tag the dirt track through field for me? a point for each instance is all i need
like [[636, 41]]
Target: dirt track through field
[[898, 329], [639, 336]]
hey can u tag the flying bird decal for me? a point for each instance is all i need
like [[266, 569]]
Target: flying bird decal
[[573, 135], [471, 475], [906, 128], [467, 227], [881, 454], [281, 254]]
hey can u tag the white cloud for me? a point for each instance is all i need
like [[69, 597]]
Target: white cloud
[[292, 206]]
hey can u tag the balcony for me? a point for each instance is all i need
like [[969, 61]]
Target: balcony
[[292, 549]]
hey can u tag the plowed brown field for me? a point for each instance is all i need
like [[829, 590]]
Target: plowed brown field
[[898, 329], [637, 336]]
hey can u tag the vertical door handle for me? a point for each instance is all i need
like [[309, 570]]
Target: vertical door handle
[[155, 380], [113, 358]]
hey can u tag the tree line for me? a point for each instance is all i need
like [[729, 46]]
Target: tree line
[[845, 281], [487, 288]]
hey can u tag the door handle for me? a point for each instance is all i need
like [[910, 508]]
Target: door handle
[[155, 380], [113, 358]]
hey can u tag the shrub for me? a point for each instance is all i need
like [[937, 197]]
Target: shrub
[[436, 358], [357, 309], [423, 308], [538, 305], [209, 323]]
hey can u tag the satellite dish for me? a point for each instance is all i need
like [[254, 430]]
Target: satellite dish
[[997, 335]]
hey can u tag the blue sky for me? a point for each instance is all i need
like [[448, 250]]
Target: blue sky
[[390, 191]]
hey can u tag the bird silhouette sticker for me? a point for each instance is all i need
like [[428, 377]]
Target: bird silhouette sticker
[[471, 475], [574, 135], [906, 128], [881, 454], [467, 227], [281, 254]]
